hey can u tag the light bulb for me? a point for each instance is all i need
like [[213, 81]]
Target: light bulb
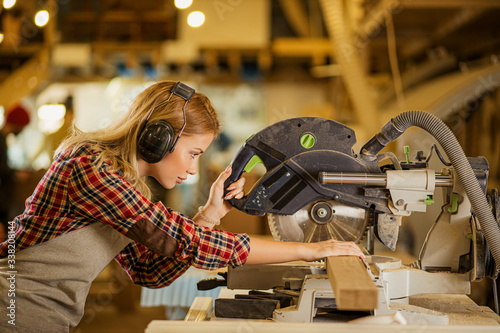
[[42, 18], [7, 4], [195, 19], [183, 4]]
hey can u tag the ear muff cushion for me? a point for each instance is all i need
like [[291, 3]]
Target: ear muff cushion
[[155, 141]]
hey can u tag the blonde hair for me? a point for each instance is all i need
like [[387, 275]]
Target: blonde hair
[[117, 144]]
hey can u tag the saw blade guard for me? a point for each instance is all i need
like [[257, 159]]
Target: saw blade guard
[[293, 152]]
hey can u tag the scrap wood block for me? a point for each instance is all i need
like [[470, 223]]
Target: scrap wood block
[[351, 283], [245, 308]]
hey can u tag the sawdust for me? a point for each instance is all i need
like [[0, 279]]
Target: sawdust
[[460, 309], [403, 267], [412, 308]]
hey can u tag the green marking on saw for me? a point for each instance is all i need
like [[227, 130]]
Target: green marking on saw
[[252, 163], [307, 141]]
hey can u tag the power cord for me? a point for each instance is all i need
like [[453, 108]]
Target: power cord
[[438, 153]]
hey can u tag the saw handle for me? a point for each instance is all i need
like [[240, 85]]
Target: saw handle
[[238, 166]]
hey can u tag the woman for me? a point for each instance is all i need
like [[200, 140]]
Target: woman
[[93, 205]]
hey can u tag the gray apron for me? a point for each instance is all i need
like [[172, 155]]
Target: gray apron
[[50, 281]]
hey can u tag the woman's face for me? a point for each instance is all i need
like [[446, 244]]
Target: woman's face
[[183, 161]]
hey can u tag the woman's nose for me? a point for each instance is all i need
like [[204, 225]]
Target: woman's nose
[[193, 169]]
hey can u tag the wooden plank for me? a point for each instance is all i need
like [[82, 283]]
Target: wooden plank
[[352, 285], [200, 310]]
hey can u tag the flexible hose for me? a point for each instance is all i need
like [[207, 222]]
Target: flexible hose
[[451, 146], [347, 55]]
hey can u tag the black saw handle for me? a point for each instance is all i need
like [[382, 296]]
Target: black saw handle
[[238, 165]]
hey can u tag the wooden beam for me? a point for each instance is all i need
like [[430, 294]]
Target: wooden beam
[[449, 26], [113, 47], [454, 4], [296, 16], [26, 79], [352, 285], [300, 47]]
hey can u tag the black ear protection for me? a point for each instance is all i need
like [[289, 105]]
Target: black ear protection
[[157, 138]]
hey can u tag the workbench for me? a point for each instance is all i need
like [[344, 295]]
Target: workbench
[[464, 316]]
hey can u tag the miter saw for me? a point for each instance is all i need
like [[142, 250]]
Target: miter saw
[[317, 188]]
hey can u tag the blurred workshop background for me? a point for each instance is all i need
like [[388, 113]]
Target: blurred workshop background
[[359, 62]]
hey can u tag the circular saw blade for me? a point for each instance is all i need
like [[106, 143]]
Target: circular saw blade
[[341, 222]]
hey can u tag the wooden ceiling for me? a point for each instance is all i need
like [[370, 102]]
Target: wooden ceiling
[[422, 30], [117, 21]]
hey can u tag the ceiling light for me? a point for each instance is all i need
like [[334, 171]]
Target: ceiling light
[[42, 18], [183, 4], [51, 111], [51, 117], [8, 3], [1, 37], [195, 19]]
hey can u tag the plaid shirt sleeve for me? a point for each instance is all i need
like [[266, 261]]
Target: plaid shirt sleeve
[[165, 242], [150, 269]]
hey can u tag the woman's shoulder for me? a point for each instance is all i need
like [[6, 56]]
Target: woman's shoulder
[[82, 154]]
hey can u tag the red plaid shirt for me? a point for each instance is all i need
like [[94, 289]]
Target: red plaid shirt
[[74, 194]]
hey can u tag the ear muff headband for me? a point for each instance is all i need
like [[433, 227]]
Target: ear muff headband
[[156, 139]]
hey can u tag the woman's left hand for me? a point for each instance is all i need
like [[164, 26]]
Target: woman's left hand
[[216, 206]]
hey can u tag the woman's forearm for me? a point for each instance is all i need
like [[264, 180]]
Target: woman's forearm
[[264, 251], [270, 252]]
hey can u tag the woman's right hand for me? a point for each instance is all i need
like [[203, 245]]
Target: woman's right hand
[[330, 248]]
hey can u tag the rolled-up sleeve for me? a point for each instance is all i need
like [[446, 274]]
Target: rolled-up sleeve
[[195, 246], [165, 243], [150, 269]]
